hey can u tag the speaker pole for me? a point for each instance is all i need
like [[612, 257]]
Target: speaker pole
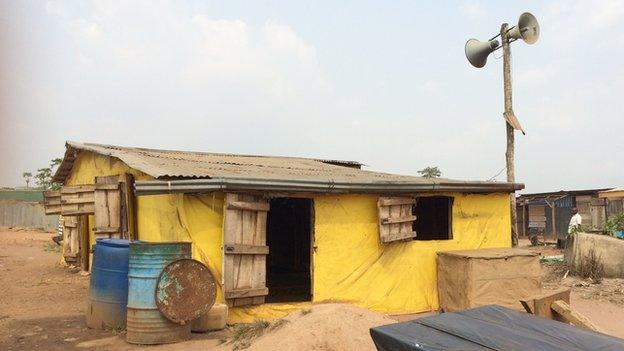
[[509, 154]]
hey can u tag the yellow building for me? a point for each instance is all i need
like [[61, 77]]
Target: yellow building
[[279, 233]]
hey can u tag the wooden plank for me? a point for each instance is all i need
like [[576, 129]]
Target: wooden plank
[[106, 230], [384, 212], [75, 189], [107, 207], [77, 200], [239, 249], [391, 201], [52, 202], [572, 316], [259, 272], [85, 245], [395, 228], [246, 293], [128, 207], [250, 206], [540, 304], [399, 236], [402, 219], [108, 186], [407, 226]]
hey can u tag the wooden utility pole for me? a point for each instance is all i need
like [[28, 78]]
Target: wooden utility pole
[[509, 154]]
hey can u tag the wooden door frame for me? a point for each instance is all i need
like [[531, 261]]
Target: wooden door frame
[[85, 242], [312, 246]]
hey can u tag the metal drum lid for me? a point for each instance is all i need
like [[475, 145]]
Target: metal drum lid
[[185, 290]]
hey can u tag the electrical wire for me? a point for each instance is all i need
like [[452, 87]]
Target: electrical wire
[[497, 174]]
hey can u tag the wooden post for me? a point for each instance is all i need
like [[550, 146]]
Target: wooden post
[[509, 154], [525, 222], [554, 220]]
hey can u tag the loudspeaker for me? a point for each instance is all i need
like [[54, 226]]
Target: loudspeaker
[[527, 29], [478, 51]]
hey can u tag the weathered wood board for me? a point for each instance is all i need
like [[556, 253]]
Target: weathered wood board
[[244, 249], [396, 219]]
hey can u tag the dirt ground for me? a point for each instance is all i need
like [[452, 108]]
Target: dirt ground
[[42, 308], [602, 303]]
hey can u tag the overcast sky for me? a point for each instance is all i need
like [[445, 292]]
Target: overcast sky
[[383, 83]]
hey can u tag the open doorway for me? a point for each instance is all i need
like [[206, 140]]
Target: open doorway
[[289, 226]]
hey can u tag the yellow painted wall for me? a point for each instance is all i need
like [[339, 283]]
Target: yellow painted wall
[[189, 218], [350, 263]]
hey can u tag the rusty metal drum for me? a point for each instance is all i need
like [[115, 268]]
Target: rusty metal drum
[[145, 324], [108, 285], [186, 290]]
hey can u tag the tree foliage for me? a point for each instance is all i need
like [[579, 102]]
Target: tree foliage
[[27, 176], [430, 172], [43, 176]]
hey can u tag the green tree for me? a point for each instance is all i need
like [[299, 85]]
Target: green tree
[[430, 172], [27, 176], [43, 177]]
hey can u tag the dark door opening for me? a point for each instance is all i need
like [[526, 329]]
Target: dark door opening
[[289, 225]]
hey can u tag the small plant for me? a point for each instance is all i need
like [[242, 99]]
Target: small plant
[[614, 224], [51, 247], [578, 229], [591, 266], [430, 172], [245, 332]]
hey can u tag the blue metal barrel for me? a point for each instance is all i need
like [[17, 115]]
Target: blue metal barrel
[[146, 325], [108, 287]]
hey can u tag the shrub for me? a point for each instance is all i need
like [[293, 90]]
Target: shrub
[[591, 266]]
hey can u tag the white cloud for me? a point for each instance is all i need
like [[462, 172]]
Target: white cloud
[[472, 10], [195, 50]]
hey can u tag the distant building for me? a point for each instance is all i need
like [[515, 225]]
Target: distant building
[[549, 213], [614, 199]]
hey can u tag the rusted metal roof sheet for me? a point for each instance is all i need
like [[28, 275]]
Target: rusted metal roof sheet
[[166, 164]]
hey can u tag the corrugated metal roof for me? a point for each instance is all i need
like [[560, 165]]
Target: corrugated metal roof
[[166, 164], [565, 192]]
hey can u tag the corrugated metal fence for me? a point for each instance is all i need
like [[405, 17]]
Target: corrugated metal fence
[[26, 215]]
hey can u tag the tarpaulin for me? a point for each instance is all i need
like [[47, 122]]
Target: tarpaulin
[[489, 328], [352, 265], [348, 263]]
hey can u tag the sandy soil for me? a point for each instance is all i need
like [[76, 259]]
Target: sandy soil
[[42, 305], [42, 309], [345, 327]]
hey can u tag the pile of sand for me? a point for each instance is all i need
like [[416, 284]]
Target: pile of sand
[[323, 327]]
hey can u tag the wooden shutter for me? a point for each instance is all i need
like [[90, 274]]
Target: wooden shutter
[[77, 200], [107, 207], [52, 202], [76, 241], [244, 249], [128, 207], [396, 218], [71, 239]]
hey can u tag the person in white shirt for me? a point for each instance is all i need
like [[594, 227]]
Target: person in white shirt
[[575, 221]]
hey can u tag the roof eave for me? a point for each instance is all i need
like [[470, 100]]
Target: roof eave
[[155, 187]]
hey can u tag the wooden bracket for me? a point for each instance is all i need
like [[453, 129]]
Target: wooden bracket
[[556, 305]]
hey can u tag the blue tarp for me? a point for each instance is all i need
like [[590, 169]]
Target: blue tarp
[[489, 328]]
